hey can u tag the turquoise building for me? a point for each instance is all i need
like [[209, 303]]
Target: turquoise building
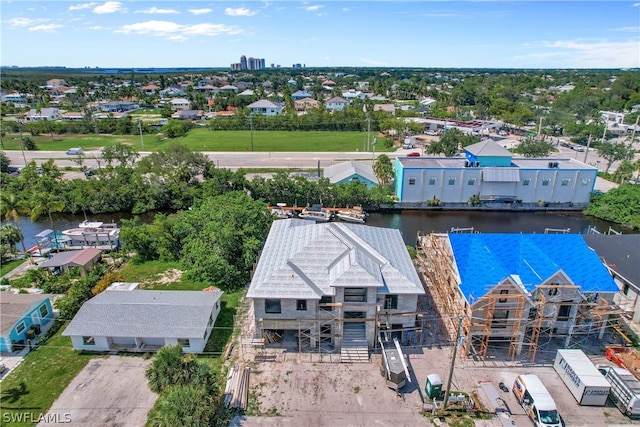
[[22, 317]]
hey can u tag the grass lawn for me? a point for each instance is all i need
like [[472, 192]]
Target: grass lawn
[[202, 139], [10, 265], [33, 386], [158, 275]]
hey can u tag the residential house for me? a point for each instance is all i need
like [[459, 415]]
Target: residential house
[[305, 104], [300, 94], [179, 104], [336, 103], [145, 320], [247, 92], [150, 89], [613, 116], [621, 256], [346, 172], [82, 258], [324, 286], [229, 88], [44, 113], [266, 107], [328, 84], [352, 94], [51, 83], [489, 172], [17, 99], [117, 106], [188, 115], [514, 289], [172, 91], [74, 116], [22, 317], [387, 108]]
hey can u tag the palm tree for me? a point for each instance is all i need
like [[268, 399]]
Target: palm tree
[[11, 207], [49, 203]]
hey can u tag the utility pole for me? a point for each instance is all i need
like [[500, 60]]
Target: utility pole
[[586, 153], [373, 144], [453, 361], [22, 143], [368, 130], [633, 134], [140, 129], [540, 127], [251, 127]]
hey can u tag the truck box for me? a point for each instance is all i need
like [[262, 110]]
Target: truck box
[[625, 389], [582, 378]]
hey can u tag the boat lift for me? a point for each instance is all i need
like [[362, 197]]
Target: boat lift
[[394, 368]]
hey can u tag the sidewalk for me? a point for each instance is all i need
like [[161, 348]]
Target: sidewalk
[[604, 185], [24, 267]]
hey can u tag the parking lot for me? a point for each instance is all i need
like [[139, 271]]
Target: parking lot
[[298, 390], [108, 392]]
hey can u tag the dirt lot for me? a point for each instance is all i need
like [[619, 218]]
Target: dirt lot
[[107, 392], [289, 391]]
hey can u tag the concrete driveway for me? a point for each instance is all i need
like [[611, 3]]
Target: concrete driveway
[[107, 392]]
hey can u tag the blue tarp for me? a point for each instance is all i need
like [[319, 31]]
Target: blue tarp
[[484, 260]]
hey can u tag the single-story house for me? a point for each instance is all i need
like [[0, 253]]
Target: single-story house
[[144, 320], [344, 173], [83, 258], [44, 113], [266, 107], [300, 94], [387, 108], [117, 106], [21, 317], [188, 115]]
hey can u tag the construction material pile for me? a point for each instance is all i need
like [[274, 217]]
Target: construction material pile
[[236, 392]]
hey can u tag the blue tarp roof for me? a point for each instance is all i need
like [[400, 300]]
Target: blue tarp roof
[[484, 260]]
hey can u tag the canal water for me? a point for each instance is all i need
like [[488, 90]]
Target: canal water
[[409, 222]]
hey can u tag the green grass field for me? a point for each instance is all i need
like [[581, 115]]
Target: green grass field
[[10, 265], [201, 139]]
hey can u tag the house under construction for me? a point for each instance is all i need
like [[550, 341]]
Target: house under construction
[[509, 290]]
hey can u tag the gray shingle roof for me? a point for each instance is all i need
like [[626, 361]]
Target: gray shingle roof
[[622, 253], [307, 260], [340, 171], [145, 314]]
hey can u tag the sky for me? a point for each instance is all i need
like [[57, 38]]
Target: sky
[[432, 34]]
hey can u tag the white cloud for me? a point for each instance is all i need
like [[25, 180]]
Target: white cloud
[[636, 4], [155, 10], [45, 27], [314, 8], [81, 6], [110, 7], [373, 62], [203, 11], [582, 54], [20, 22], [240, 11], [628, 29], [345, 9], [174, 31]]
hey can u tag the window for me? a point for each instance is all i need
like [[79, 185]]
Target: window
[[553, 291], [625, 290], [390, 302], [503, 292], [585, 182], [326, 300], [500, 318], [184, 342], [432, 181], [88, 341], [44, 310], [412, 181], [21, 327], [472, 181], [526, 181], [355, 294], [272, 306], [301, 305], [452, 181], [545, 182], [565, 182], [563, 313]]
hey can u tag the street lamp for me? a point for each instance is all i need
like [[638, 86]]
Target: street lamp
[[540, 126]]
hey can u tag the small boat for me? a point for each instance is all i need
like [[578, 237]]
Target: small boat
[[355, 214], [316, 213], [280, 212], [89, 233]]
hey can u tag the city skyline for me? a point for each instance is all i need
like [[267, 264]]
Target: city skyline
[[211, 34]]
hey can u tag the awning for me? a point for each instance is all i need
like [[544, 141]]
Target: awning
[[44, 233], [501, 174]]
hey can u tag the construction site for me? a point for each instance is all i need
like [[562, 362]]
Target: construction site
[[507, 321]]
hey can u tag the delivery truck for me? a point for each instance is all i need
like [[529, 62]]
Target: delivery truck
[[536, 401], [625, 389], [582, 378]]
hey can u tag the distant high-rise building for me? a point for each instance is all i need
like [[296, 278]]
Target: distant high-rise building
[[248, 64], [243, 62]]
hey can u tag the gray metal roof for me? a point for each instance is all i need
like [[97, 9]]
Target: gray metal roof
[[340, 171], [500, 174], [145, 314], [488, 147], [621, 253], [306, 260]]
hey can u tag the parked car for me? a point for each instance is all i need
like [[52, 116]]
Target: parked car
[[2, 368], [502, 133], [413, 154], [89, 172], [432, 132], [75, 151], [579, 148]]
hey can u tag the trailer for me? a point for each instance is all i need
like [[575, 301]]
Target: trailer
[[626, 357], [625, 389], [582, 378], [394, 368]]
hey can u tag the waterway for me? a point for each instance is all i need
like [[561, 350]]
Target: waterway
[[409, 222]]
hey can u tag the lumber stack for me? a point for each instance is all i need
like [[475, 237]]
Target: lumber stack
[[236, 392], [271, 337]]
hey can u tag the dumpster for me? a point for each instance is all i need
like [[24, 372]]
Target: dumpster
[[433, 388]]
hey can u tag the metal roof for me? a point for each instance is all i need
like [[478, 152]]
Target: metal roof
[[500, 174], [145, 314], [484, 260], [79, 258], [621, 253], [340, 171], [488, 147], [306, 260]]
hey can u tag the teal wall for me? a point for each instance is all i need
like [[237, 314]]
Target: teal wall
[[29, 321]]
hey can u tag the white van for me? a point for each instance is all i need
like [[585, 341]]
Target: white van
[[536, 401], [75, 151]]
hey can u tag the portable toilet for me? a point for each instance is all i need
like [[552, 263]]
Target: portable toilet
[[434, 386]]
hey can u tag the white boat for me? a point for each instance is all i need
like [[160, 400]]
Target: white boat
[[354, 214], [280, 212], [92, 233], [316, 213]]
